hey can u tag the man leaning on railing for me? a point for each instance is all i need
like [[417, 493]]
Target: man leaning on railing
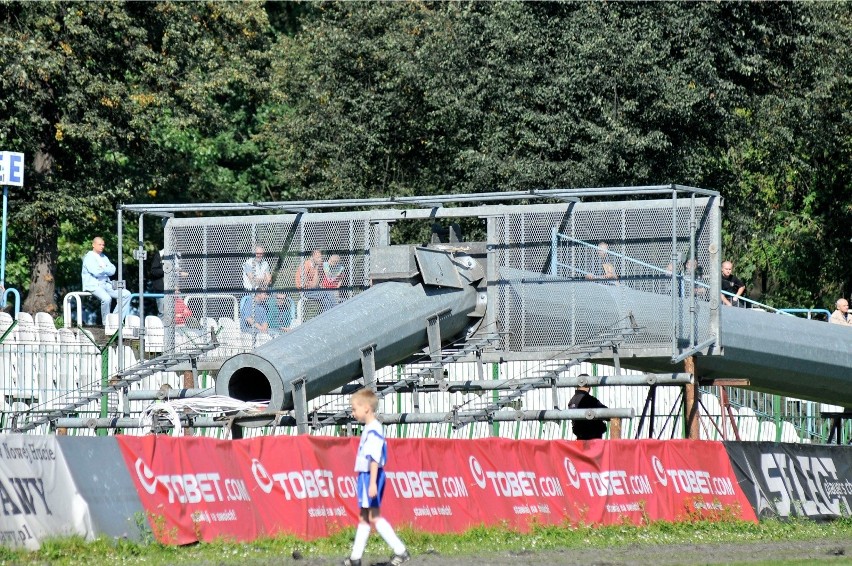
[[731, 284]]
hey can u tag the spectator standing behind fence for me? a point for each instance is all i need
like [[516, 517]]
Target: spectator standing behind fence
[[585, 429], [96, 273], [157, 276], [183, 313], [699, 284], [602, 267], [732, 284], [309, 278], [370, 484], [332, 277], [256, 272], [841, 314]]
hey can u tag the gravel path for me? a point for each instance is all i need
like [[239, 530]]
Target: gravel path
[[814, 552]]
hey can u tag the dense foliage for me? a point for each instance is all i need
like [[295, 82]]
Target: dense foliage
[[189, 102]]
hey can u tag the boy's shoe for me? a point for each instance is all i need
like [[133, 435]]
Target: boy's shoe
[[350, 562], [398, 559]]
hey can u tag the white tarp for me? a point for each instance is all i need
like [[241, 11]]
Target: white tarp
[[38, 498]]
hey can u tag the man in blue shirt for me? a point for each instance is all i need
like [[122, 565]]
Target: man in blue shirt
[[96, 273], [254, 317]]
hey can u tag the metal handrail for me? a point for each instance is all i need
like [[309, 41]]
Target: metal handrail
[[17, 295], [826, 312], [668, 273]]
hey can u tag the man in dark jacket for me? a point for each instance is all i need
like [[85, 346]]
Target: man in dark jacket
[[585, 429], [156, 276]]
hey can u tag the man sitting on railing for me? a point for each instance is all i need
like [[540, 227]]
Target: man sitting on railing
[[96, 273], [841, 315]]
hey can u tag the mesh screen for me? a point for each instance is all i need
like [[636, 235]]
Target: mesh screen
[[552, 291], [206, 261], [571, 277]]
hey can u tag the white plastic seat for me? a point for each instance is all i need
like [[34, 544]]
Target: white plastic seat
[[48, 360], [25, 319], [712, 418], [747, 424], [25, 370], [727, 426], [69, 360], [789, 433], [44, 320], [132, 323], [154, 334], [20, 407], [128, 361], [8, 358], [90, 360], [6, 321], [229, 336], [767, 431], [187, 338], [111, 324], [207, 324]]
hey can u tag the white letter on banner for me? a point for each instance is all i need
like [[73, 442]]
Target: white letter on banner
[[775, 484], [11, 168]]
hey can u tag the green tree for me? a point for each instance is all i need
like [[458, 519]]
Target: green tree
[[467, 97], [116, 102], [417, 97], [787, 164]]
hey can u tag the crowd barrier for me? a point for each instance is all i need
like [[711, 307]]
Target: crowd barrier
[[184, 490]]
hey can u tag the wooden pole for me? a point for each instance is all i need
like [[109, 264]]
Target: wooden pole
[[615, 429], [188, 383], [690, 401]]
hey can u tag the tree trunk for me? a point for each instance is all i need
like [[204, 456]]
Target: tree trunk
[[43, 265]]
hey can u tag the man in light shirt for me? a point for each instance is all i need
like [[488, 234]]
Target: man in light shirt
[[256, 272], [96, 273], [841, 315]]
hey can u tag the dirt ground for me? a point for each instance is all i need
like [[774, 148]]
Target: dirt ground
[[812, 552]]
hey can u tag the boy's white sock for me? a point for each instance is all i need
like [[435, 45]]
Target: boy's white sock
[[361, 536], [386, 531]]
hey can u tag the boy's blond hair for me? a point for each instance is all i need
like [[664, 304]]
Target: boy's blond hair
[[367, 396]]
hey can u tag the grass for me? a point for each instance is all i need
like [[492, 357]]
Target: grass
[[483, 540]]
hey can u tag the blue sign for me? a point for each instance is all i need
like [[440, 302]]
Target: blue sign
[[11, 168]]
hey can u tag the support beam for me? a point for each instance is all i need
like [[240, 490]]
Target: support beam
[[507, 416], [433, 331], [368, 366], [300, 404], [691, 398], [615, 429], [389, 418], [728, 413]]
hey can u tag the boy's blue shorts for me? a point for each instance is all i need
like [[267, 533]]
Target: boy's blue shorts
[[363, 489]]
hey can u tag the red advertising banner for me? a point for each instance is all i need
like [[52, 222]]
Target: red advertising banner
[[201, 489]]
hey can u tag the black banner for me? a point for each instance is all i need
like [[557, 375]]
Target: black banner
[[794, 480]]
